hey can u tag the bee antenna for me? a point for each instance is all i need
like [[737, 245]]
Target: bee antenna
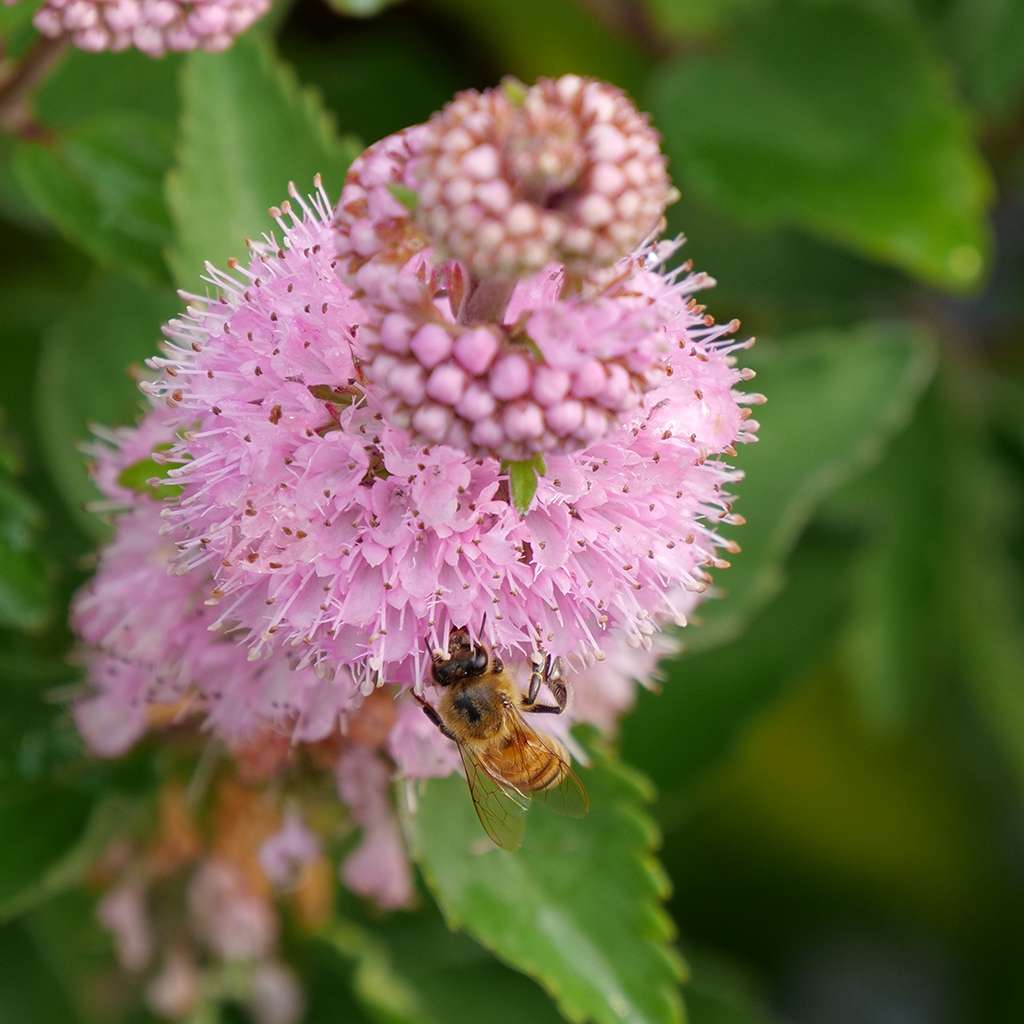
[[483, 623]]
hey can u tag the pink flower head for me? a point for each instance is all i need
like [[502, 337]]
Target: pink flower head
[[341, 413], [155, 27], [234, 923], [288, 850], [333, 535], [379, 866], [512, 179]]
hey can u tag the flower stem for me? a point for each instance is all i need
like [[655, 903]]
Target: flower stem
[[19, 85]]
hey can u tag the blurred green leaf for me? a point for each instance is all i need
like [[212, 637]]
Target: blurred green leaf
[[24, 585], [718, 992], [603, 957], [531, 38], [697, 18], [84, 378], [388, 51], [983, 592], [128, 82], [834, 400], [894, 646], [839, 119], [65, 854], [441, 975], [239, 107], [709, 698], [30, 991], [101, 184], [360, 8], [986, 38], [42, 824]]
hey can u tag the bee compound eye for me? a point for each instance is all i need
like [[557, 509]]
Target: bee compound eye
[[480, 659], [497, 664]]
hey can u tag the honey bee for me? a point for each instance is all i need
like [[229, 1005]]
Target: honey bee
[[507, 763]]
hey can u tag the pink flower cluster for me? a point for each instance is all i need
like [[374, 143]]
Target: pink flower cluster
[[225, 923], [334, 421], [153, 26]]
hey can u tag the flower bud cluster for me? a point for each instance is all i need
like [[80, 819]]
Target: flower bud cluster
[[155, 27]]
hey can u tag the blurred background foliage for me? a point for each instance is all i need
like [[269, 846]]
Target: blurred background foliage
[[838, 755]]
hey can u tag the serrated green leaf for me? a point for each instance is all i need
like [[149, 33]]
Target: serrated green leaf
[[84, 378], [523, 478], [837, 118], [606, 959], [101, 184], [24, 585], [248, 128], [835, 399]]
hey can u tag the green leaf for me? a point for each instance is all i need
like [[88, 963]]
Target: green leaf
[[983, 592], [42, 823], [139, 476], [523, 478], [410, 969], [247, 129], [894, 645], [101, 184], [605, 959], [84, 378], [838, 119], [718, 992], [835, 398], [84, 83], [360, 8], [986, 38], [531, 38], [24, 584], [66, 854], [697, 18], [30, 990], [680, 732]]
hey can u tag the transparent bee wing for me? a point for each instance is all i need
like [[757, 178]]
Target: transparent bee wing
[[568, 796], [500, 808], [530, 755]]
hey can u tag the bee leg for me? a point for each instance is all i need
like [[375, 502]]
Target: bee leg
[[550, 672], [432, 714], [536, 677], [542, 709]]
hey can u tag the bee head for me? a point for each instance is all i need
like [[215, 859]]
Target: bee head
[[465, 660]]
